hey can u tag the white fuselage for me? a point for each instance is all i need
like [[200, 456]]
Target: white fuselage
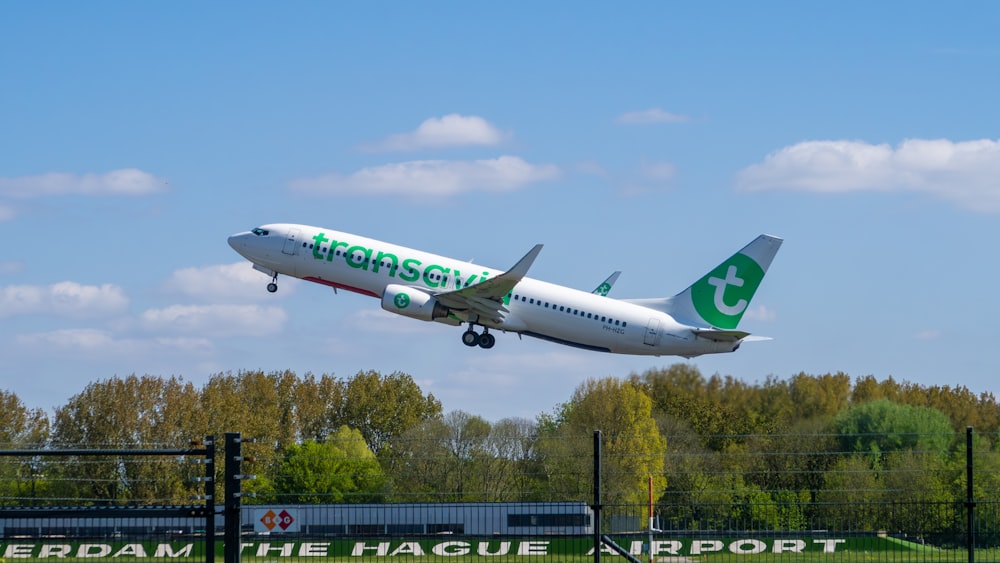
[[535, 308]]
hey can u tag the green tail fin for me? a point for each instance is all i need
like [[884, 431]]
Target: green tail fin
[[721, 297]]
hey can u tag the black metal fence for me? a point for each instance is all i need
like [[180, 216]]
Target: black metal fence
[[758, 498]]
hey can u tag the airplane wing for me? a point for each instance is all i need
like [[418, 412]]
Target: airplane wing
[[605, 287], [486, 298]]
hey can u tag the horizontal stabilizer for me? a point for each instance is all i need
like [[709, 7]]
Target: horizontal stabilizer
[[721, 335]]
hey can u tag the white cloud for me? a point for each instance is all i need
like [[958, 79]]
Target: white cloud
[[659, 170], [102, 343], [64, 299], [928, 335], [380, 321], [6, 213], [653, 177], [652, 115], [592, 168], [966, 173], [127, 181], [431, 178], [760, 313], [553, 372], [215, 320], [235, 282], [7, 268], [451, 130]]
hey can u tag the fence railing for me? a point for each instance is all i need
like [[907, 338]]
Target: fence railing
[[757, 498]]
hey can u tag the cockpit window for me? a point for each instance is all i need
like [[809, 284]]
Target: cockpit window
[[260, 232]]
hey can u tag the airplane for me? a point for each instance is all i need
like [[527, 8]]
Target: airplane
[[702, 319]]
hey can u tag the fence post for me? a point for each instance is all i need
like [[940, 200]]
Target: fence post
[[596, 507], [970, 502], [210, 499], [234, 491]]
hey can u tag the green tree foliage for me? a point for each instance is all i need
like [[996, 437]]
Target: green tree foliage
[[510, 469], [21, 428], [342, 469], [463, 457], [128, 412], [416, 463], [885, 426], [851, 496], [633, 448], [385, 406], [318, 405], [807, 452], [261, 407]]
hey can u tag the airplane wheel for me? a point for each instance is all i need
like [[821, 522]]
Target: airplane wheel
[[470, 338], [272, 287], [487, 340]]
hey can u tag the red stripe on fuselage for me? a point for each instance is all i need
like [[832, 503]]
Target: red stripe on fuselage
[[342, 286]]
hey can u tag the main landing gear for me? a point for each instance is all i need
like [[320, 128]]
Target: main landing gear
[[273, 286], [485, 340]]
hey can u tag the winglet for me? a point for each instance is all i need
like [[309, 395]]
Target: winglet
[[521, 268]]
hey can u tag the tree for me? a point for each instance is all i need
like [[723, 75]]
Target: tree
[[510, 473], [318, 403], [261, 407], [130, 412], [21, 428], [416, 461], [342, 469], [468, 453], [819, 396], [382, 407], [633, 448], [850, 498], [720, 409], [885, 426], [461, 457]]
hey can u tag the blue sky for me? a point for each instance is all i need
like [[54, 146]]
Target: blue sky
[[654, 138]]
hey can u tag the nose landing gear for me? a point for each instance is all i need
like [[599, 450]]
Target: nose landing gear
[[485, 340], [273, 286]]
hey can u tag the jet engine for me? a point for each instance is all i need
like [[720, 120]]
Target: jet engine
[[412, 302]]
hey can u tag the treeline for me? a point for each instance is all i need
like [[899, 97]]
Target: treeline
[[722, 453]]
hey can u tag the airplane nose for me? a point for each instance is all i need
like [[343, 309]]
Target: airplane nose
[[238, 242]]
